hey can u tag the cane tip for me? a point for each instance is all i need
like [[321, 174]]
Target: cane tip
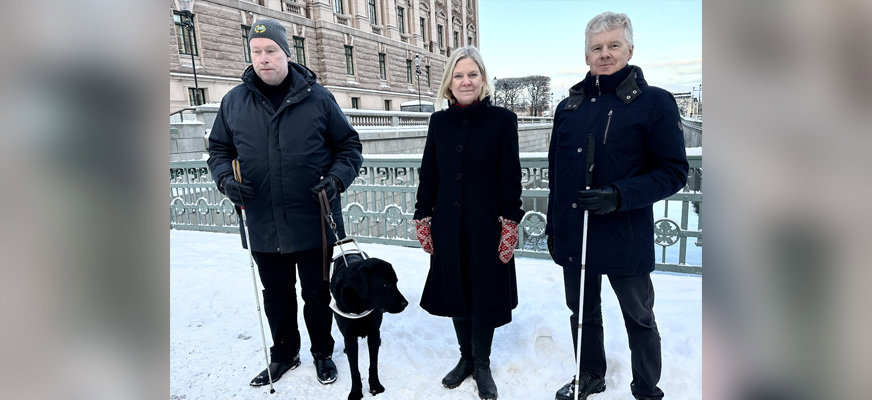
[[271, 391]]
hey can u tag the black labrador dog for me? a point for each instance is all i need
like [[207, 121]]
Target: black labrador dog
[[363, 289]]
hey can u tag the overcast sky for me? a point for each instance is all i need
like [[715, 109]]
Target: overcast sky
[[546, 37]]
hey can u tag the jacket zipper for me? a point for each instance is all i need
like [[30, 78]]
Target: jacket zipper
[[608, 122], [600, 92]]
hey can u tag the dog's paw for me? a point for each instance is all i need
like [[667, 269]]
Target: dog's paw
[[355, 395], [376, 388]]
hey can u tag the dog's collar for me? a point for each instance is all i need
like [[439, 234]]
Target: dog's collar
[[345, 314]]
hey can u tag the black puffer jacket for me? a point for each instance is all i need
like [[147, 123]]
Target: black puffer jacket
[[284, 153]]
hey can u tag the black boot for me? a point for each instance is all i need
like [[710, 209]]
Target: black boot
[[456, 376], [588, 384], [487, 389], [325, 369], [276, 369]]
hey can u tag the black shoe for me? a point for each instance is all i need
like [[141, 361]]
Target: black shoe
[[325, 369], [588, 385], [456, 376], [487, 389], [277, 370]]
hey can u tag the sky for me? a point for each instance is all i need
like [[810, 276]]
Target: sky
[[546, 37], [216, 347]]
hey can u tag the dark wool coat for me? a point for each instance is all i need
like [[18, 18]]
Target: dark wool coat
[[470, 176], [284, 153], [639, 149]]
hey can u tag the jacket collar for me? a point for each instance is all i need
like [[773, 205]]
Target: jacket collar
[[628, 89], [302, 79], [470, 111]]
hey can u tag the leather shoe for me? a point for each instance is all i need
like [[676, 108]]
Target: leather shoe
[[325, 370], [277, 370], [456, 376], [487, 389], [588, 384]]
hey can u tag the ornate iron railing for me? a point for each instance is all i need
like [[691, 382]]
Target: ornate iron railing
[[379, 205]]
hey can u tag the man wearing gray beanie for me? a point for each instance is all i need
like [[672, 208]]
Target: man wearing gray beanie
[[291, 140]]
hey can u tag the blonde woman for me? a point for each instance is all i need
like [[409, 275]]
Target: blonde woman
[[467, 213]]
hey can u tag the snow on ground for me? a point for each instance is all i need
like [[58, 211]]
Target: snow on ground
[[216, 346]]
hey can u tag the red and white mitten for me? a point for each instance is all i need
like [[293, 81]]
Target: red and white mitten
[[422, 231], [508, 239]]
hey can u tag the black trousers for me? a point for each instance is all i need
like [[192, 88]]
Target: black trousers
[[635, 295], [474, 339], [278, 273]]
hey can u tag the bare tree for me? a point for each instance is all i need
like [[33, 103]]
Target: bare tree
[[538, 91], [509, 93]]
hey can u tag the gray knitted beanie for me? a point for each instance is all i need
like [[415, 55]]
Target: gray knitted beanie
[[270, 29]]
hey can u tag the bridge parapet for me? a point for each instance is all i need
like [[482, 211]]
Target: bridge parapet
[[378, 207]]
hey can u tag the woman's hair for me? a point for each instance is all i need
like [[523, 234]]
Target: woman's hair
[[445, 88], [608, 21]]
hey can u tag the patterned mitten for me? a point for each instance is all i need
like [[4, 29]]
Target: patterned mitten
[[508, 239], [422, 231]]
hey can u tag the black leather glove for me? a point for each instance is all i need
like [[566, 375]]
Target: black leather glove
[[600, 201], [550, 242], [331, 184], [238, 192]]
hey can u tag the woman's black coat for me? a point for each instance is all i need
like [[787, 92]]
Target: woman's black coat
[[470, 176]]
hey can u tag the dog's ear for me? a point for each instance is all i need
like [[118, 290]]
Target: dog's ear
[[359, 281], [341, 289]]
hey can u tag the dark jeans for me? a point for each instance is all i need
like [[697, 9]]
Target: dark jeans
[[474, 339], [635, 295], [278, 273]]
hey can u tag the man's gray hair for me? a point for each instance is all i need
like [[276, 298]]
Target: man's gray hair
[[608, 21]]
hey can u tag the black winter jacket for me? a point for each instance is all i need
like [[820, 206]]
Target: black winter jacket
[[639, 149], [284, 153], [470, 176]]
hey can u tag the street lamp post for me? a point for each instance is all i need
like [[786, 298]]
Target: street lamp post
[[418, 72], [187, 6]]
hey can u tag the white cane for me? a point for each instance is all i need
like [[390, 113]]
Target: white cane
[[588, 179], [237, 176]]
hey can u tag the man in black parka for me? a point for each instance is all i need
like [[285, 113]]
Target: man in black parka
[[291, 140], [639, 160]]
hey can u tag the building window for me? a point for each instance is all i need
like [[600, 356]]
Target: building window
[[439, 33], [349, 60], [382, 68], [337, 7], [355, 102], [427, 70], [372, 17], [300, 50], [401, 19], [387, 105], [245, 30], [469, 40], [456, 41], [290, 7], [409, 71], [196, 96], [423, 30], [186, 39]]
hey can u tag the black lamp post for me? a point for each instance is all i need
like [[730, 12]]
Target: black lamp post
[[187, 6], [418, 72]]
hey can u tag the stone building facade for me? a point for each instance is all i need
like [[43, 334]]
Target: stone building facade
[[363, 51]]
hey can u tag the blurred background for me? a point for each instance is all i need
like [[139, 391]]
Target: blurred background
[[84, 241]]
